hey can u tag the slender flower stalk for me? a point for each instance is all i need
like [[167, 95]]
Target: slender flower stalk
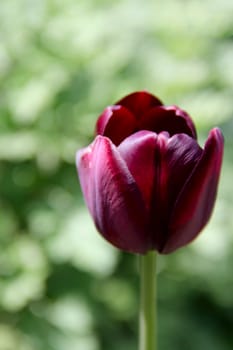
[[148, 312]]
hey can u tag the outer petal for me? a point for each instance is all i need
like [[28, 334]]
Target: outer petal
[[139, 102], [175, 160], [112, 196], [195, 203], [138, 151], [168, 118], [178, 157], [116, 122]]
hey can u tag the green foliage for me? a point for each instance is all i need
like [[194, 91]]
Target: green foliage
[[61, 62]]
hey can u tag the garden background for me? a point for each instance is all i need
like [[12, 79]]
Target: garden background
[[62, 287]]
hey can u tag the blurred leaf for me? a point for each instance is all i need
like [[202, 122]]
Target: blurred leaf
[[79, 243], [61, 63]]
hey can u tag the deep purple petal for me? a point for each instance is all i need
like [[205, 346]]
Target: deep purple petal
[[112, 196], [167, 118], [179, 158], [175, 159], [138, 151], [116, 123], [139, 102], [195, 203]]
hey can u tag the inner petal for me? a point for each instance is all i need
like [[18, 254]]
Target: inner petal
[[167, 118], [116, 123], [139, 102]]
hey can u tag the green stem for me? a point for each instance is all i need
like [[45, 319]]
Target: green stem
[[147, 313]]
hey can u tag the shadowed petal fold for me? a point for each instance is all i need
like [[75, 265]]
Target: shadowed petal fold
[[112, 196], [194, 204]]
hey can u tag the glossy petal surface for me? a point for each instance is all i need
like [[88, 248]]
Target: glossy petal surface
[[112, 196], [138, 151]]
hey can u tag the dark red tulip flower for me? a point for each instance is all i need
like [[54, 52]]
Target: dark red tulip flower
[[146, 181]]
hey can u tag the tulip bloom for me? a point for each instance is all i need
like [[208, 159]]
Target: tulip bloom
[[146, 181]]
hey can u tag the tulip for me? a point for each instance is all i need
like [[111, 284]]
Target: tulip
[[147, 183]]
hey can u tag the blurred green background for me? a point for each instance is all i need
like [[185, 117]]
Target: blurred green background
[[62, 287]]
